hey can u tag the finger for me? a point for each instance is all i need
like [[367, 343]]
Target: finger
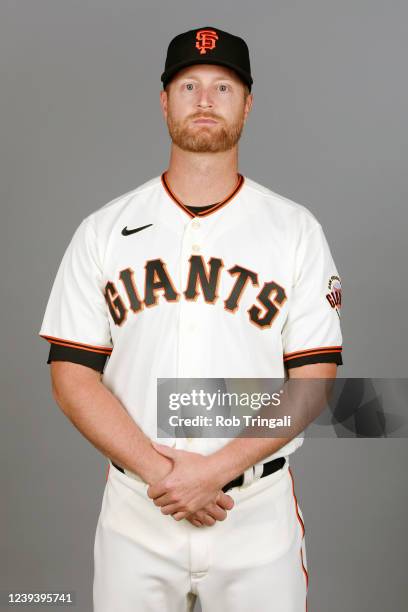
[[209, 520], [179, 515], [225, 501], [196, 517], [219, 514], [204, 517], [163, 500], [154, 491], [172, 509], [193, 518]]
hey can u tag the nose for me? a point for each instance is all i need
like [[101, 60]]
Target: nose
[[204, 99]]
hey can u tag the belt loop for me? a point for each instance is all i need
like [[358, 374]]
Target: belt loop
[[248, 477], [258, 470]]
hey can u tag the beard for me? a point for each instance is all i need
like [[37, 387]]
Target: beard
[[203, 139]]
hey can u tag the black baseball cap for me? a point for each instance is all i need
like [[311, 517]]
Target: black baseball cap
[[207, 45]]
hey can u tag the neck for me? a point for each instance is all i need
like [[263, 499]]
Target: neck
[[198, 179]]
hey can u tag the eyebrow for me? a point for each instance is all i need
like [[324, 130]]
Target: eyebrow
[[194, 76]]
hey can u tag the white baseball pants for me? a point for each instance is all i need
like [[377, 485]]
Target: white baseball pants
[[145, 561]]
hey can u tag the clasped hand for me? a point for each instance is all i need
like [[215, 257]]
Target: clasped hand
[[191, 490]]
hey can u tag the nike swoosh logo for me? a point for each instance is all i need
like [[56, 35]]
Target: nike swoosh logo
[[127, 232]]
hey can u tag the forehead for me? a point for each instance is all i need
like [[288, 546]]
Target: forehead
[[206, 71]]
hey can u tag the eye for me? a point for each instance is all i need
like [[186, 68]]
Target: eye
[[223, 87], [189, 86]]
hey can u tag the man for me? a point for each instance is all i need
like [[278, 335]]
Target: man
[[200, 272]]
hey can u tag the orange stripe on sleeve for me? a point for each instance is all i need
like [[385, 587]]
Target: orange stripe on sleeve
[[86, 347], [321, 350]]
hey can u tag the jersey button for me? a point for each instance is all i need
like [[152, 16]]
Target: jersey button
[[195, 248], [196, 224]]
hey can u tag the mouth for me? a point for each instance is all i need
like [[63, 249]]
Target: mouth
[[205, 121]]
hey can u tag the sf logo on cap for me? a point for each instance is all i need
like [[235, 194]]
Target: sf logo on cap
[[206, 40]]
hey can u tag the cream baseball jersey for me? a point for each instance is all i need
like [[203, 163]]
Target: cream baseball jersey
[[149, 288]]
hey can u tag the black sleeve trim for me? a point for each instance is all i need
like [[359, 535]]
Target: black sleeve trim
[[76, 355], [320, 358]]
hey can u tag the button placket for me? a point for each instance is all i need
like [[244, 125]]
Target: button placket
[[195, 235], [188, 357]]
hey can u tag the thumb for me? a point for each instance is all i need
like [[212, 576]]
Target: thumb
[[224, 500], [165, 450]]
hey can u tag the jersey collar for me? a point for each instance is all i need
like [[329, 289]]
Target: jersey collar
[[204, 213]]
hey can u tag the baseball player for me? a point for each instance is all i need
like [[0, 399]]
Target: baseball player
[[199, 272]]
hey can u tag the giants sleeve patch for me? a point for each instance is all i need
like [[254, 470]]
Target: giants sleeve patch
[[334, 294]]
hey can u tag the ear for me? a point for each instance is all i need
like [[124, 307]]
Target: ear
[[164, 102], [248, 105]]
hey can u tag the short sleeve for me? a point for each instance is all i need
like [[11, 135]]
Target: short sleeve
[[76, 322], [311, 332]]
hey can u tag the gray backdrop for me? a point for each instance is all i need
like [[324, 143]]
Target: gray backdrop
[[81, 124]]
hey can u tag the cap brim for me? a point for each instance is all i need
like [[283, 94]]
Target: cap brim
[[167, 75]]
